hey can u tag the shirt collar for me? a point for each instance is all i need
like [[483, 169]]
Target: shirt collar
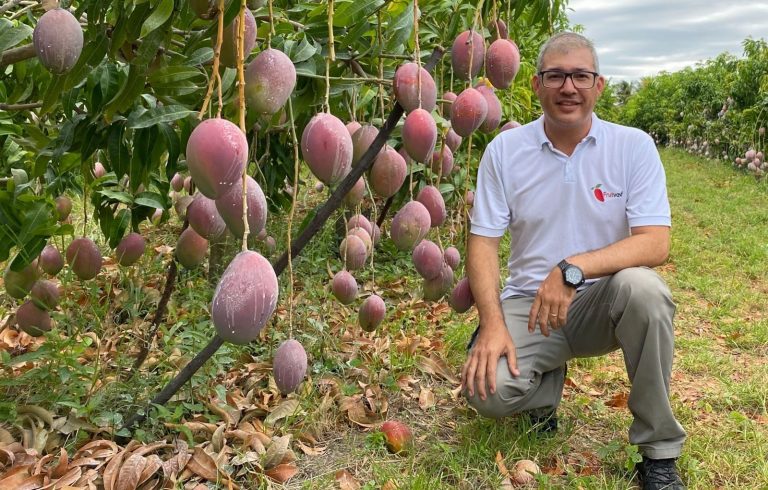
[[595, 132]]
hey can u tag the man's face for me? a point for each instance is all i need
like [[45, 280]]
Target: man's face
[[568, 106]]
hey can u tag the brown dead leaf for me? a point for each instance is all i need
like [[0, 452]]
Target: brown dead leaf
[[390, 485], [311, 451], [358, 411], [500, 464], [619, 400], [15, 477], [346, 481], [151, 448], [588, 389], [411, 343], [66, 480], [426, 399], [276, 451], [434, 365], [63, 464], [112, 470], [406, 382], [164, 249], [230, 415], [285, 409], [194, 427], [282, 472], [174, 466], [218, 440], [554, 468], [203, 465], [88, 480], [251, 458], [154, 463], [101, 448], [130, 472], [6, 458]]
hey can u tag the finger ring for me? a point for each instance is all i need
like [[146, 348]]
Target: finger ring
[[553, 314]]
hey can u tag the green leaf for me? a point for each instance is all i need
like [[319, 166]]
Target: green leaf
[[119, 226], [158, 17], [117, 150], [169, 76], [144, 141], [307, 68], [400, 28], [119, 196], [200, 56], [150, 199], [53, 94], [303, 51], [11, 35], [158, 115], [355, 11], [172, 145], [131, 89]]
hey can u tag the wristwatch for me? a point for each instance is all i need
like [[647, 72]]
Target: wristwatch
[[572, 274]]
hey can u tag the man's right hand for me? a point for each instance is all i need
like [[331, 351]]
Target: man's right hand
[[479, 370]]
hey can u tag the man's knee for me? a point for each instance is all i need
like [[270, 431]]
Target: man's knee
[[510, 397], [644, 290]]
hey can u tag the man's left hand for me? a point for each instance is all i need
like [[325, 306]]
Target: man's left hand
[[550, 308]]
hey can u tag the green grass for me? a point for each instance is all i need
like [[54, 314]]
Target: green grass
[[717, 272]]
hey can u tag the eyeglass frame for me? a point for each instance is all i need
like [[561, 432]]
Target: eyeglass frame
[[570, 74]]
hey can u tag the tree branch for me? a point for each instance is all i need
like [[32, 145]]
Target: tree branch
[[9, 5], [20, 107], [14, 55]]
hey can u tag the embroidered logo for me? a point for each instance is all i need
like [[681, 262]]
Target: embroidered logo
[[602, 195]]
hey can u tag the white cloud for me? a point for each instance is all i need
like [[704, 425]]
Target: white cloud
[[636, 38]]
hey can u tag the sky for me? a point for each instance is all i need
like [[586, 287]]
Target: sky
[[637, 38]]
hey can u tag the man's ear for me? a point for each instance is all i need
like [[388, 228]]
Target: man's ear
[[600, 84], [535, 82]]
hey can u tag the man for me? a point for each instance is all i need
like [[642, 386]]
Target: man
[[586, 205]]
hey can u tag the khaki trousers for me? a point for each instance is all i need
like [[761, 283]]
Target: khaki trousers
[[631, 310]]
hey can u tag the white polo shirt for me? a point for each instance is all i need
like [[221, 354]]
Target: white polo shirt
[[555, 205]]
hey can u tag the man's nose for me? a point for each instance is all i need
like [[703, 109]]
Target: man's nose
[[568, 86]]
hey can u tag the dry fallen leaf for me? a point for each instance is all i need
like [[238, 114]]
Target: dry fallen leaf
[[202, 464], [309, 450], [346, 481], [619, 400], [500, 464], [426, 399], [390, 485], [285, 409], [130, 472], [437, 367], [282, 472], [276, 451]]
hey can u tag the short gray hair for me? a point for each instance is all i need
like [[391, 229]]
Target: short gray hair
[[564, 42]]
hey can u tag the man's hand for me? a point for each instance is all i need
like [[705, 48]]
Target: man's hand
[[480, 367], [550, 308]]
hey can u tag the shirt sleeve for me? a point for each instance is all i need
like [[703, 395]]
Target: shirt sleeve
[[647, 201], [490, 213]]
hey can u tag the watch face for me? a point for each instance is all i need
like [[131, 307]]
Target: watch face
[[573, 275]]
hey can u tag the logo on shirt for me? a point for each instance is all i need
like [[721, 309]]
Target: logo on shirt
[[601, 195]]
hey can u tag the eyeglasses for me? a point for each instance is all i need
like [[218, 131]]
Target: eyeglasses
[[557, 78]]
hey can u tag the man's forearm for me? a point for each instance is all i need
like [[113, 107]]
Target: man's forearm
[[647, 246], [484, 278]]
